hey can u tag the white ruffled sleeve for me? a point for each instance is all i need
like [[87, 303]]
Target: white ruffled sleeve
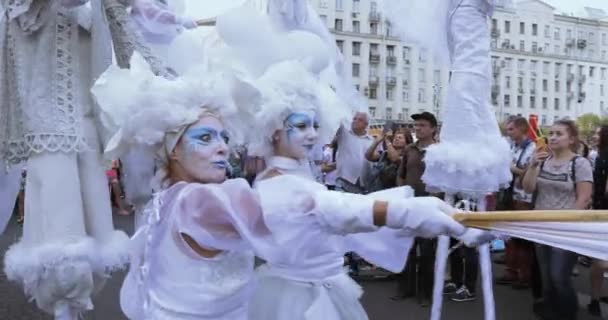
[[157, 22], [223, 216]]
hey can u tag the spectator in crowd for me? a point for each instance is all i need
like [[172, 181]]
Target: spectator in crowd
[[519, 253], [562, 180], [464, 263], [315, 159], [422, 256], [351, 145], [600, 201], [328, 167], [116, 193], [251, 166], [386, 153]]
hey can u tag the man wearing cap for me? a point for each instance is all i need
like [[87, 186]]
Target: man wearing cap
[[410, 174]]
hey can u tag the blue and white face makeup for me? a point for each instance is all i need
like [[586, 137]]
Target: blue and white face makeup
[[298, 136], [202, 152]]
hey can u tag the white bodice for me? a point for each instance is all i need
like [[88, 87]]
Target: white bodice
[[168, 280]]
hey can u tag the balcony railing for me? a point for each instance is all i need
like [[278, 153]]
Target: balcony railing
[[374, 58], [373, 81], [391, 81], [391, 59], [374, 16]]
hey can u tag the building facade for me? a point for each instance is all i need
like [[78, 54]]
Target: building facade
[[551, 65]]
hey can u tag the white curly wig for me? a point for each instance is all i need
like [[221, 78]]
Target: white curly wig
[[289, 87], [140, 108]]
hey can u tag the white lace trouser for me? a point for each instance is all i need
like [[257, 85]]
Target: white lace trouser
[[67, 212]]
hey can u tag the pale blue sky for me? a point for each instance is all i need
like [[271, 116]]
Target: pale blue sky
[[574, 6]]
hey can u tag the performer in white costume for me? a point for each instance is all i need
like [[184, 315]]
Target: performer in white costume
[[192, 258], [456, 32], [46, 69], [52, 51]]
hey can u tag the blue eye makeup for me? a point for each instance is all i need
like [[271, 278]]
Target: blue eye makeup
[[300, 121], [205, 136]]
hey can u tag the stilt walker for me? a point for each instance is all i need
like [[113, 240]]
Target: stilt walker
[[51, 53], [472, 159]]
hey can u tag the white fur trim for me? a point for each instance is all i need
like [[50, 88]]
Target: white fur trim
[[113, 252]]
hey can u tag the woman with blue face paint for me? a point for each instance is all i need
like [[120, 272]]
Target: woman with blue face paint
[[315, 227], [194, 256]]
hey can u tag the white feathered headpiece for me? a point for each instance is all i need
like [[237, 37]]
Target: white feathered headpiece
[[144, 109], [287, 65]]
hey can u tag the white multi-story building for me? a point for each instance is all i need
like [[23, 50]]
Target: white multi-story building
[[398, 80], [551, 65]]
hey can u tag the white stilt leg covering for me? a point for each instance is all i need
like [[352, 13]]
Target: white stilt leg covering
[[485, 262], [441, 258]]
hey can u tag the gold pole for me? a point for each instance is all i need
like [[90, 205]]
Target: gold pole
[[484, 218]]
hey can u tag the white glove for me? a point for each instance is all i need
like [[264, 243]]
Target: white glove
[[475, 237], [426, 217]]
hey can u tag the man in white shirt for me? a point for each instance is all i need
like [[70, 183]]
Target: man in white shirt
[[350, 159], [329, 168]]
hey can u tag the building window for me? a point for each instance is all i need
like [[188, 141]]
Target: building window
[[339, 5], [556, 34], [372, 112], [323, 4], [533, 85], [508, 63], [437, 76], [591, 72], [521, 64], [603, 55], [356, 70], [422, 55], [603, 73], [545, 85], [522, 45], [507, 100], [507, 26], [520, 83], [547, 31], [532, 103], [340, 45], [406, 55], [356, 5], [557, 85], [508, 82], [601, 90], [373, 28], [338, 24], [604, 40], [356, 49], [421, 95], [520, 101], [534, 29], [389, 113], [556, 103], [558, 49], [421, 75], [569, 34], [602, 106], [390, 94], [543, 120], [545, 102], [323, 19], [535, 47], [373, 94], [405, 95], [558, 69], [546, 66], [522, 28], [356, 26]]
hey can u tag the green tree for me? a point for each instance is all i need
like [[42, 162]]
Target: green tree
[[587, 123]]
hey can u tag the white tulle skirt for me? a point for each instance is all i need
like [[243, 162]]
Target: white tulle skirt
[[279, 298]]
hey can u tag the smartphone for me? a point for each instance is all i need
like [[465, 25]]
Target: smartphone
[[541, 144]]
